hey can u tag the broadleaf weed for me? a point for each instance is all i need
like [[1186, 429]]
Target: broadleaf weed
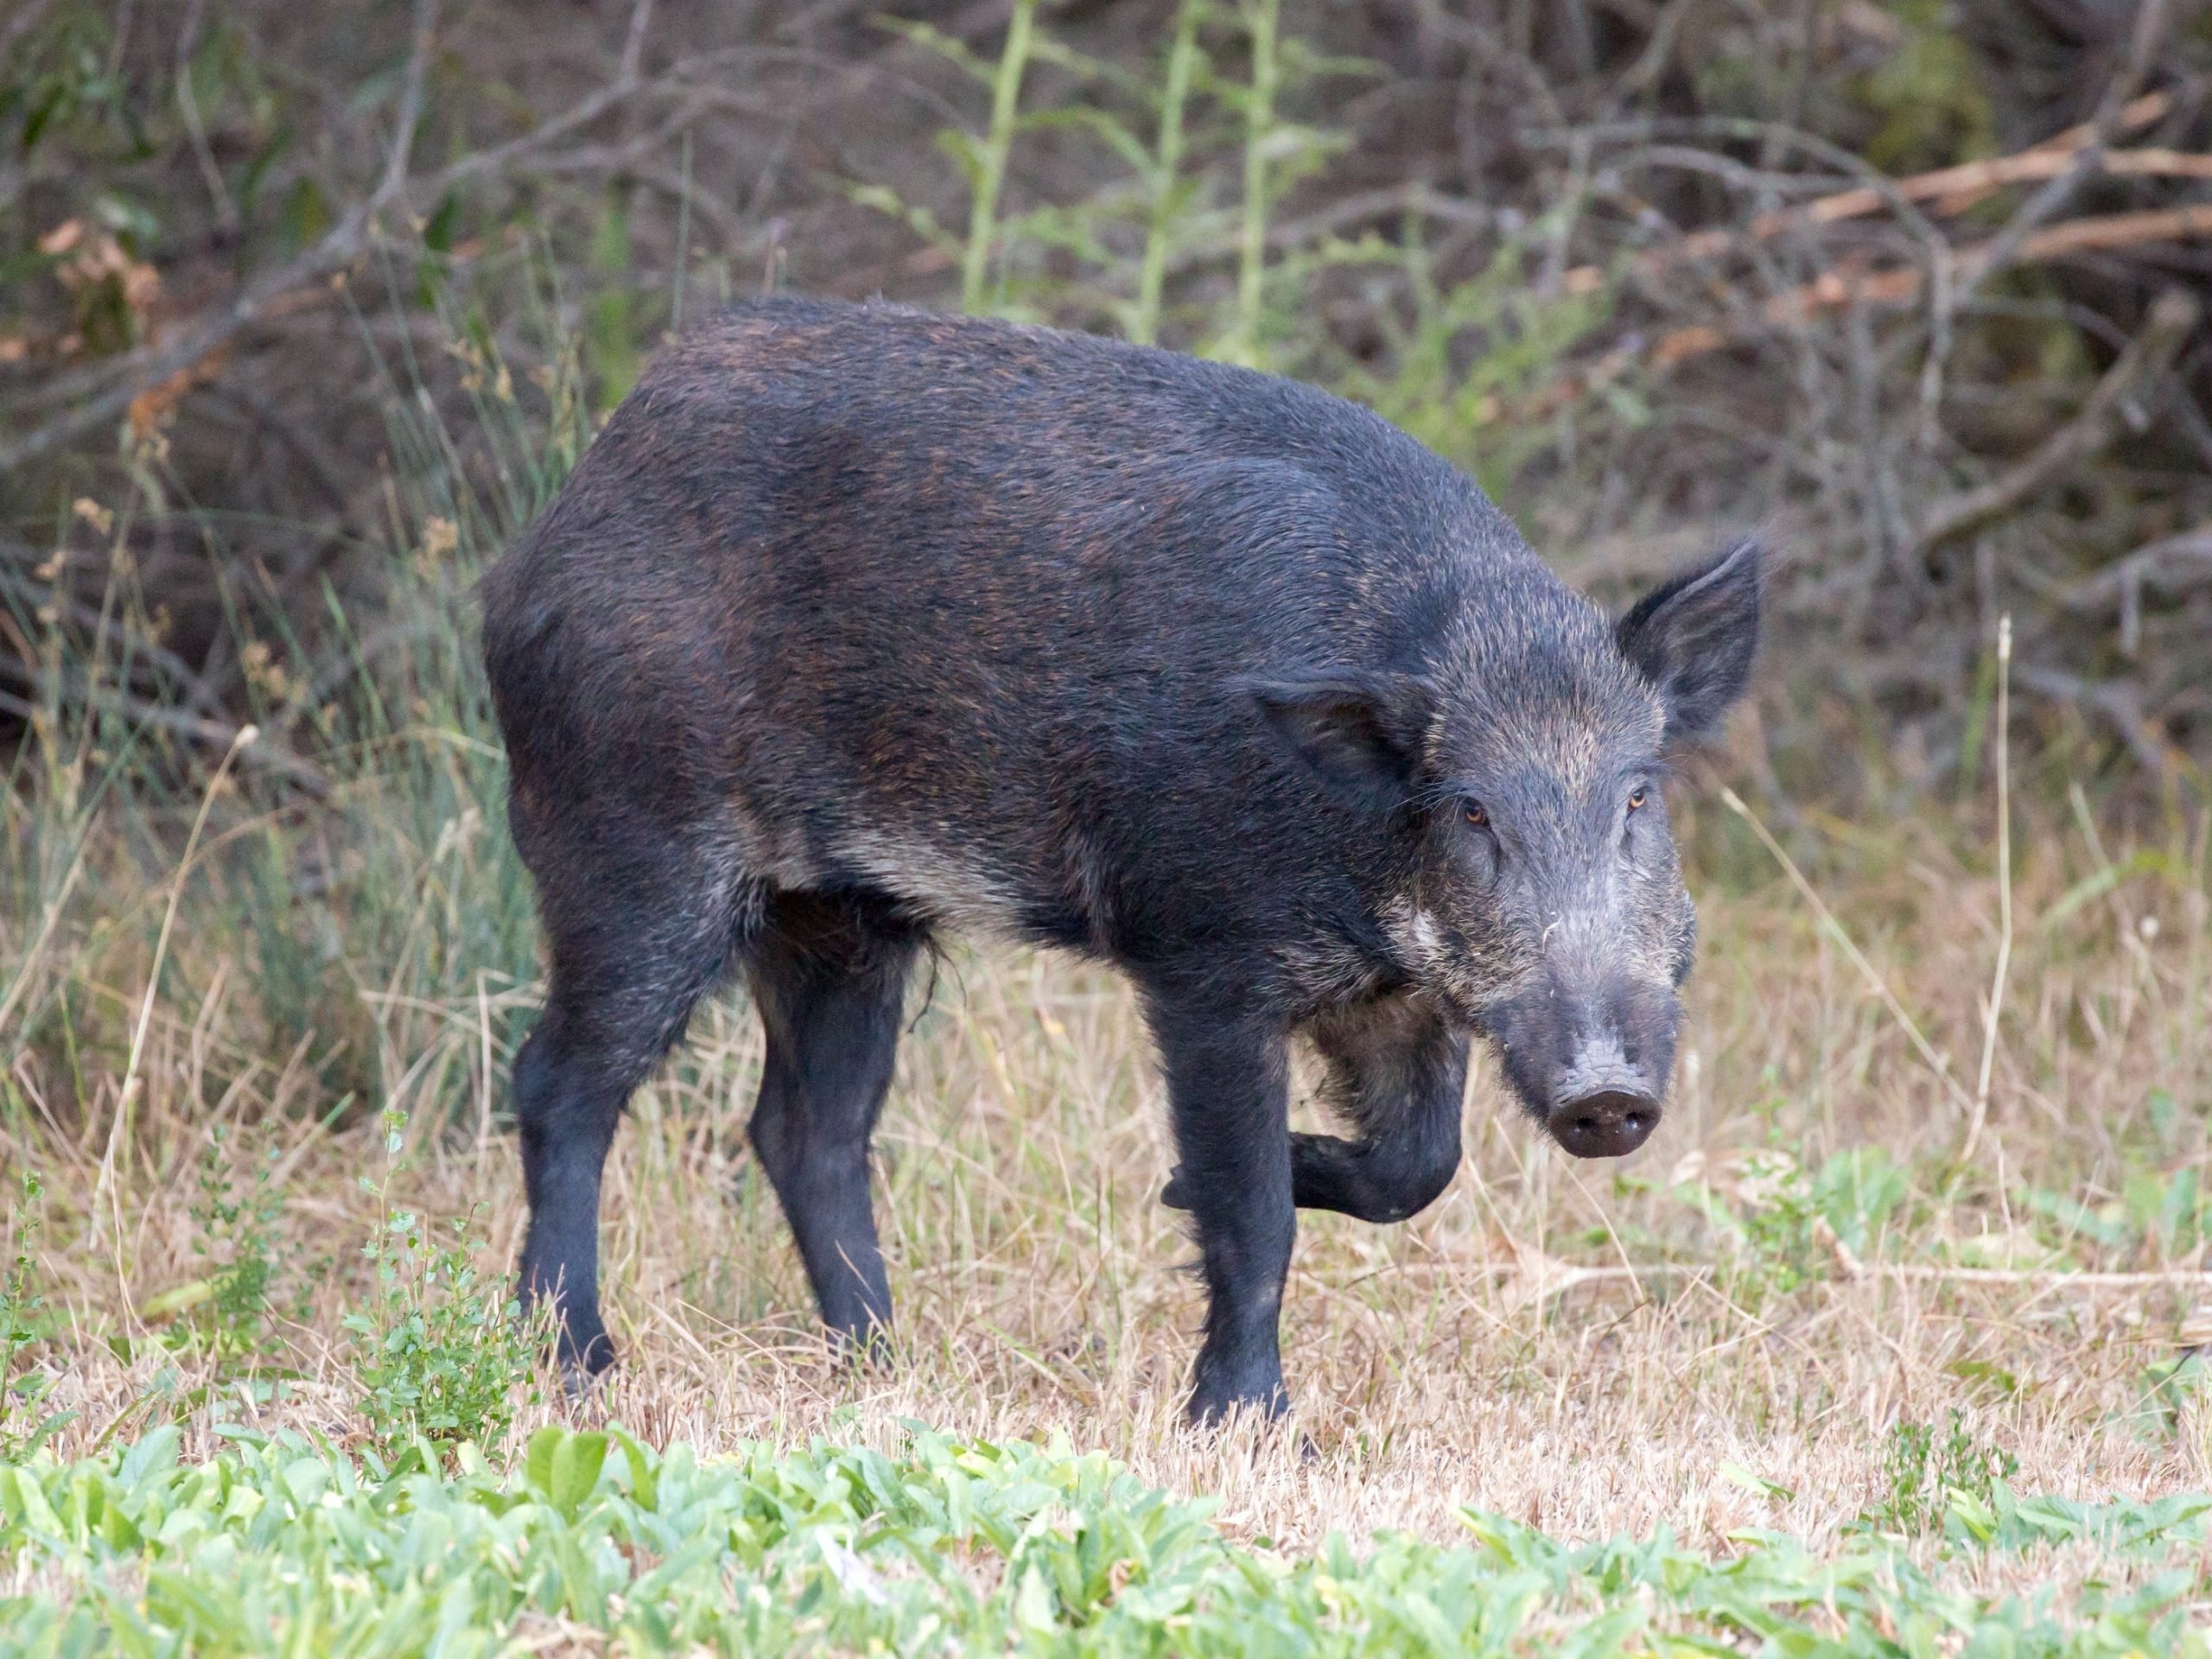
[[442, 1351]]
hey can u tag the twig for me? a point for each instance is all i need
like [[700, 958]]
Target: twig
[[1952, 189], [2119, 701], [1835, 290], [97, 394], [633, 44], [247, 751], [203, 153], [2053, 199], [130, 646], [1994, 1013], [421, 39], [2154, 562], [2173, 316], [1875, 982]]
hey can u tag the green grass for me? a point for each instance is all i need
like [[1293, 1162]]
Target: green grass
[[285, 1546]]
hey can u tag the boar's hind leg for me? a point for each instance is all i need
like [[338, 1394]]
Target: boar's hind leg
[[633, 949], [1228, 1094], [1398, 1073], [829, 975]]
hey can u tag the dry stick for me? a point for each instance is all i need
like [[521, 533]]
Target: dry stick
[[2173, 317], [200, 729], [1996, 1009], [150, 365], [2123, 580], [1566, 1277], [1875, 982]]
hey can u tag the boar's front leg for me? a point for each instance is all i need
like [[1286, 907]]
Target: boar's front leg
[[829, 976], [1229, 1095], [1398, 1073]]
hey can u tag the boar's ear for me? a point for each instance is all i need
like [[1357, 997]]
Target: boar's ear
[[1362, 731], [1695, 637]]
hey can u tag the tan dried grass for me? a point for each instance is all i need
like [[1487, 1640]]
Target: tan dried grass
[[1446, 1362]]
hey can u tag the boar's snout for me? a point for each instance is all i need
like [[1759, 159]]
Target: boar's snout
[[1606, 1124], [1592, 1068]]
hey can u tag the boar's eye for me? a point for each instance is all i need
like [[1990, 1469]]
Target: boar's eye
[[1478, 814], [1635, 798]]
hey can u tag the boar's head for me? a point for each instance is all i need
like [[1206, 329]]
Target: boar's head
[[1538, 894]]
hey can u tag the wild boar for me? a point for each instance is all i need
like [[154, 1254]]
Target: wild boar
[[857, 623]]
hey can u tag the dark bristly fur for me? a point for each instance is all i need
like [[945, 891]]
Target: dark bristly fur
[[857, 622]]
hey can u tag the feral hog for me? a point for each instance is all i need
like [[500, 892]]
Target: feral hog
[[857, 623]]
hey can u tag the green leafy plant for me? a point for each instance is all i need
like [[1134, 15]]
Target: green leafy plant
[[442, 1351], [948, 1547], [1784, 1225], [1928, 1474], [237, 1232], [22, 1324]]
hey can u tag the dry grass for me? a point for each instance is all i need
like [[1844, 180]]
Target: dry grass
[[1451, 1361]]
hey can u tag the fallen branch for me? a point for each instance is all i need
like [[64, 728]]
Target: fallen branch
[[2173, 317], [1953, 189], [1835, 290], [99, 392], [151, 365], [2120, 702], [252, 751], [1553, 1278], [2163, 562]]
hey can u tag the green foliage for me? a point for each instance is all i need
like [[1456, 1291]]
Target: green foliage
[[1928, 1476], [2159, 1216], [1926, 95], [1107, 255], [610, 332], [237, 1235], [23, 1323], [1783, 1226], [952, 1547], [441, 1352], [1461, 353]]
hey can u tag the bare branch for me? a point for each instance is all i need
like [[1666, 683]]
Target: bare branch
[[410, 103], [99, 394], [2120, 702], [197, 729], [2174, 314], [2169, 560], [25, 20], [633, 47]]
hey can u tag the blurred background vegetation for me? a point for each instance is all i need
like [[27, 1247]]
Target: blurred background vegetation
[[1914, 285]]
